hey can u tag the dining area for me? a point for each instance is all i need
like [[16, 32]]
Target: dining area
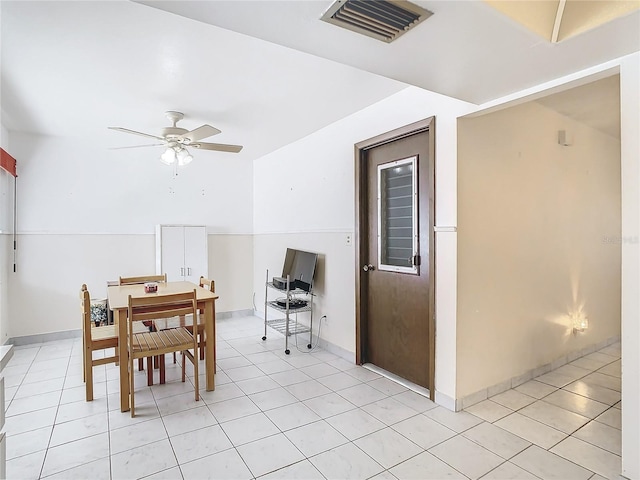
[[150, 319]]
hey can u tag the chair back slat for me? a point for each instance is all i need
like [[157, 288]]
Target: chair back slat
[[142, 279], [157, 312], [165, 306]]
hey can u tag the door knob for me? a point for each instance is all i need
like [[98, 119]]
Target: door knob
[[368, 268]]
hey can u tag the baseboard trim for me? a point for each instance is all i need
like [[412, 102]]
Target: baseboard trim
[[479, 396], [338, 351], [44, 337], [235, 314], [71, 334]]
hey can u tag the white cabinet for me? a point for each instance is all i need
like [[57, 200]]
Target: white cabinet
[[181, 252]]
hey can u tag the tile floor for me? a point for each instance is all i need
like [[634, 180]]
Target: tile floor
[[303, 416]]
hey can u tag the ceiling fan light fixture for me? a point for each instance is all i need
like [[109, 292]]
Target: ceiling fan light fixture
[[175, 140], [168, 157], [184, 158]]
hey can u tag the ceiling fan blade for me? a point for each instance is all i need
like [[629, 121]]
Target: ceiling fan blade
[[199, 133], [126, 130], [220, 147], [138, 146]]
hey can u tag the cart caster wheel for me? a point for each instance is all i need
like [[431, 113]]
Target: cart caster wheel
[[287, 351], [309, 345], [264, 338]]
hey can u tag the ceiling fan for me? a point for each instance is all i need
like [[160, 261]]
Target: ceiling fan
[[177, 139]]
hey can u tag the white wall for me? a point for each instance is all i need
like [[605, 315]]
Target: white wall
[[538, 241], [73, 187], [6, 229], [87, 214], [304, 198], [630, 153], [629, 69]]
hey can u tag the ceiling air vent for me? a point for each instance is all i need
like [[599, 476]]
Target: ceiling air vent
[[385, 20]]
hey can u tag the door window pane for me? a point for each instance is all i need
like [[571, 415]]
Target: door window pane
[[397, 216]]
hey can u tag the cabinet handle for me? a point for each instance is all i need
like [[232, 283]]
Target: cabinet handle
[[188, 271], [182, 271]]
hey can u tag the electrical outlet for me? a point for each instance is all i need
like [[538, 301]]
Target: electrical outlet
[[349, 239]]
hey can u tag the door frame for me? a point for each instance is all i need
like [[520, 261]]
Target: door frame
[[361, 234]]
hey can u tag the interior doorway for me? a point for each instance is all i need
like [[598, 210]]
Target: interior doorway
[[395, 253]]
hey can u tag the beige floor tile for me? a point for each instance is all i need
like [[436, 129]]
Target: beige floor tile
[[199, 443], [602, 380], [546, 465], [614, 369], [576, 403], [509, 471], [424, 431], [556, 379], [601, 435], [554, 416], [227, 465], [315, 438], [388, 447], [389, 411], [516, 399], [418, 402], [98, 470], [346, 462], [456, 421], [466, 456], [303, 469], [28, 442], [329, 405], [612, 417], [355, 423], [594, 392], [531, 430], [589, 456], [143, 433], [425, 466], [496, 440], [74, 454], [489, 410], [535, 389]]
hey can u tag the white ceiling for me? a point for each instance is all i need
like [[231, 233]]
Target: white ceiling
[[73, 68], [595, 104], [466, 49]]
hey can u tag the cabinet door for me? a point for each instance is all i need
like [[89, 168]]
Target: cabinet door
[[195, 253], [172, 245]]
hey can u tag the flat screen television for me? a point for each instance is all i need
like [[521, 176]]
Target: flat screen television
[[301, 268]]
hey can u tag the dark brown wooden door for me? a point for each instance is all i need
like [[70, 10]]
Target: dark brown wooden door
[[396, 257]]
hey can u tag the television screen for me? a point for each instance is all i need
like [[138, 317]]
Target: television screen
[[301, 267]]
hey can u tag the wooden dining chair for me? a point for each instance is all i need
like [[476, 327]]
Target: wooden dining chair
[[150, 344], [138, 281], [93, 339], [202, 341]]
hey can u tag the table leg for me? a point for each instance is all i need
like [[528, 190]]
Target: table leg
[[210, 329], [121, 321]]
